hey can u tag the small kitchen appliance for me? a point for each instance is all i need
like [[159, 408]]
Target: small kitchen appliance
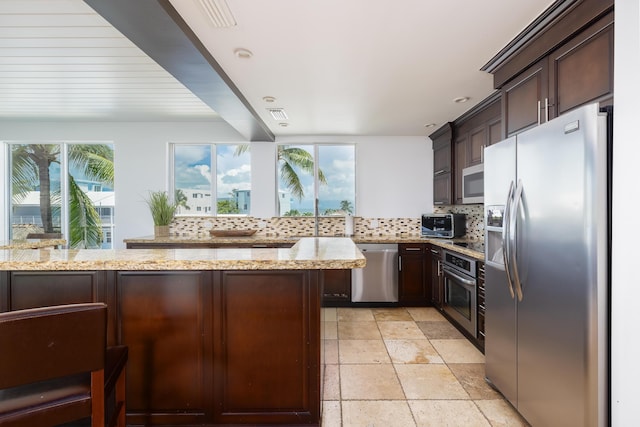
[[448, 225]]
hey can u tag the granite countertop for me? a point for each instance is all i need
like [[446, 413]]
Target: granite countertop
[[474, 248], [309, 253], [32, 243]]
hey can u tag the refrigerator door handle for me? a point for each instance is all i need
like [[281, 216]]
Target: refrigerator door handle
[[513, 222], [506, 252]]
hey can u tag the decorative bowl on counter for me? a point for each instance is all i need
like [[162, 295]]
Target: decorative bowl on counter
[[232, 233]]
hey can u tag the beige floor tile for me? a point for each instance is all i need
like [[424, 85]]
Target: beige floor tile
[[363, 351], [425, 314], [376, 414], [329, 314], [331, 352], [447, 413], [500, 413], [432, 381], [439, 330], [331, 413], [331, 389], [330, 330], [390, 314], [458, 351], [348, 330], [355, 314], [369, 382], [471, 376], [400, 330], [412, 351]]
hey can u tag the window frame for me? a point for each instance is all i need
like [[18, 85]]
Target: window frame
[[316, 149], [212, 209]]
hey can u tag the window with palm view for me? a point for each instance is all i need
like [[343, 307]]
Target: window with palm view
[[63, 188], [195, 190], [321, 171]]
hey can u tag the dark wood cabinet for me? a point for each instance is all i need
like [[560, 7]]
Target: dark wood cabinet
[[205, 347], [474, 131], [336, 288], [165, 320], [577, 71], [442, 157], [414, 275], [266, 357], [437, 285]]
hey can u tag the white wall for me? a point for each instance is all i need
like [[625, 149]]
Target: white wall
[[394, 174], [625, 286], [140, 157]]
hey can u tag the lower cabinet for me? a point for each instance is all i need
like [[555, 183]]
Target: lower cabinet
[[437, 285], [414, 275], [205, 347]]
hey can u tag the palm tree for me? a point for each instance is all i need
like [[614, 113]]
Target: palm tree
[[290, 159], [346, 206], [30, 168]]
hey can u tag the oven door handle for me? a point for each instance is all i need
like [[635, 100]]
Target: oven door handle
[[459, 278]]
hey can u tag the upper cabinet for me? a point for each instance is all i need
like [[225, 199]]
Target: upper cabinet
[[474, 131], [562, 61], [442, 176]]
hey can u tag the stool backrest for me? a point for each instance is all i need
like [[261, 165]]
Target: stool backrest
[[45, 343]]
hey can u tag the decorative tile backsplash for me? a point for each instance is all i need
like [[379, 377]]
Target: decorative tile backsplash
[[327, 226]]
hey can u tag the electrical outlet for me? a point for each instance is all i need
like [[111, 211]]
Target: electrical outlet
[[374, 223]]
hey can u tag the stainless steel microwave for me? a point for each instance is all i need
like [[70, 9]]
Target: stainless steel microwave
[[473, 184], [446, 226]]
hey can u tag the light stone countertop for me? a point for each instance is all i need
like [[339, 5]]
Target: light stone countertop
[[309, 253], [32, 243], [257, 239]]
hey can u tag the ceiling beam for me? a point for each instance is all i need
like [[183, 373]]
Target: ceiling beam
[[159, 31]]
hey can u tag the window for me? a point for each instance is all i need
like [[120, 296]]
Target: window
[[194, 165], [309, 172], [62, 189]]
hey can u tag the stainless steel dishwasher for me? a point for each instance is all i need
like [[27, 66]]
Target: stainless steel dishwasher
[[378, 280]]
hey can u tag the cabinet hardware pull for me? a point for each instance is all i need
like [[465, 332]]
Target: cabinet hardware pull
[[435, 252], [440, 172], [546, 110], [411, 249], [399, 262], [539, 107]]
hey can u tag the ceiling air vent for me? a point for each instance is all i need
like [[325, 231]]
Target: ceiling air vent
[[218, 12], [278, 113]]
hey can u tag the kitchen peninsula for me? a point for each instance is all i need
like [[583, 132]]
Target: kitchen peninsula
[[215, 336]]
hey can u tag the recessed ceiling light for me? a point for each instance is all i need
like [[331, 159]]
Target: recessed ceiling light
[[461, 99], [243, 53], [284, 125], [269, 99], [429, 125]]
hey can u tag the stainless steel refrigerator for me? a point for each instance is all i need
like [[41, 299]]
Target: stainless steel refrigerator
[[547, 269]]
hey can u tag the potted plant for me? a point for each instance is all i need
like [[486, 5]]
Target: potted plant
[[162, 211]]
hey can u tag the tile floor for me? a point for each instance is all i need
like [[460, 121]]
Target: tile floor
[[405, 367]]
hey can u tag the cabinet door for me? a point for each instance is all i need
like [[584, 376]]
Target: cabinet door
[[165, 320], [582, 70], [437, 294], [441, 157], [460, 160], [476, 144], [442, 189], [523, 99], [494, 128], [413, 289]]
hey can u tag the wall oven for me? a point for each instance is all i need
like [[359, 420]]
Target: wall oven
[[460, 294]]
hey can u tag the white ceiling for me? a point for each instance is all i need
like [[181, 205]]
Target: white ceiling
[[337, 67]]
